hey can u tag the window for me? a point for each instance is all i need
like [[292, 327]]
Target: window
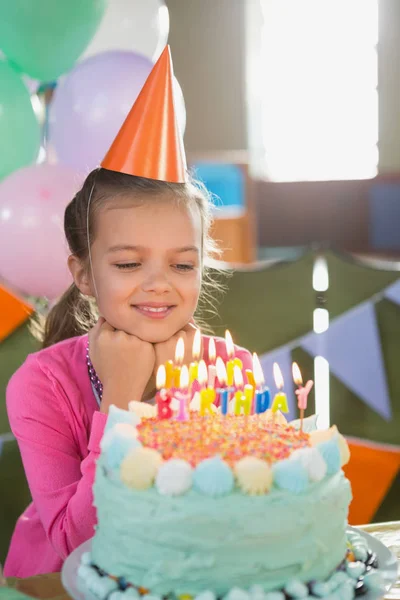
[[312, 89]]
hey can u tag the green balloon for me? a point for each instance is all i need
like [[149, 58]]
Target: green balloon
[[43, 38], [19, 128]]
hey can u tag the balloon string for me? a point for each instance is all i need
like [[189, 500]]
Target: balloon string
[[45, 137], [45, 94]]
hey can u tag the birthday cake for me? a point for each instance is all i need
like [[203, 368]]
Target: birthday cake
[[211, 494], [216, 503]]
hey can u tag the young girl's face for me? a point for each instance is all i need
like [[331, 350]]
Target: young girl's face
[[147, 266]]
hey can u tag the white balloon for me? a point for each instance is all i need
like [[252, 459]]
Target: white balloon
[[180, 106], [136, 25]]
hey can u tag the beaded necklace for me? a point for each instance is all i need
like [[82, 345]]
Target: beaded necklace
[[94, 378]]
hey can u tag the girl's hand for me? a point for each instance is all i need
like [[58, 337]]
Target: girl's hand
[[166, 350], [123, 362]]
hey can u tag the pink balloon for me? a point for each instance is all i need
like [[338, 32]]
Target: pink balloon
[[33, 249]]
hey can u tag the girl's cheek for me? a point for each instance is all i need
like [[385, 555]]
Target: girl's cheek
[[193, 286], [115, 283]]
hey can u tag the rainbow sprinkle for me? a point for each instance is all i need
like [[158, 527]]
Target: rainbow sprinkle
[[231, 437]]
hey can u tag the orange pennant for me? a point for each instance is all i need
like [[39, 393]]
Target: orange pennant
[[371, 471], [149, 143], [13, 312]]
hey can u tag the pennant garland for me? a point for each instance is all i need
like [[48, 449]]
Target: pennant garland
[[393, 292], [352, 347], [380, 461], [13, 312]]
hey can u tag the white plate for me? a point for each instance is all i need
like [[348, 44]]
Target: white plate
[[388, 566], [69, 573], [388, 563]]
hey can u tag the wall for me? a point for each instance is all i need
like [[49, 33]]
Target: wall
[[389, 86], [296, 214], [207, 44]]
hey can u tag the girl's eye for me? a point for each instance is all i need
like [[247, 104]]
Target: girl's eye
[[183, 267], [122, 266]]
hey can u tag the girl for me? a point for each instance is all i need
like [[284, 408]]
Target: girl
[[138, 238]]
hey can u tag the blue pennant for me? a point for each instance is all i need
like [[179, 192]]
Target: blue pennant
[[393, 292], [352, 346]]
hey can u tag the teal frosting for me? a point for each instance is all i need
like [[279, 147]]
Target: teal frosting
[[337, 579], [191, 543], [340, 586], [296, 589], [99, 586], [118, 415], [331, 454], [321, 588], [237, 594], [360, 552], [207, 595], [344, 592], [290, 475], [257, 592], [213, 477], [128, 594], [374, 581], [355, 569], [118, 449]]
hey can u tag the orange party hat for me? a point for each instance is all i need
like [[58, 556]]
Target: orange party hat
[[149, 143]]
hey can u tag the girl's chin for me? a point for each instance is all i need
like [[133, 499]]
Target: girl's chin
[[155, 339], [153, 332], [159, 335]]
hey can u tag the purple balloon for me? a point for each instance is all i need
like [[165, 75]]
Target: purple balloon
[[91, 103], [33, 249]]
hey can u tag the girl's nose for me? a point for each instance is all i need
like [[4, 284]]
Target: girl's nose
[[156, 281]]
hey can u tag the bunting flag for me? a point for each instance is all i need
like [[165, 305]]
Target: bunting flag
[[352, 346], [283, 357], [369, 461], [393, 292], [13, 312]]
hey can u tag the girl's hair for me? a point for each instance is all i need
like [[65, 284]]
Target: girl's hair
[[74, 314]]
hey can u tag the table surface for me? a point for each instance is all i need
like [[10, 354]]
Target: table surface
[[49, 587]]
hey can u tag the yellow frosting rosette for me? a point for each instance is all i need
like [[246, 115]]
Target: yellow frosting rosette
[[139, 468], [254, 476]]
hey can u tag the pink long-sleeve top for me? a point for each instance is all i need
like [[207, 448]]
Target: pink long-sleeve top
[[55, 418]]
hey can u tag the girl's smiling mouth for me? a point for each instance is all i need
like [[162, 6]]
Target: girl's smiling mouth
[[154, 310]]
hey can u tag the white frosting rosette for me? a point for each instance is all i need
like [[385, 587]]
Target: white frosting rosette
[[312, 461], [174, 477], [142, 409]]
